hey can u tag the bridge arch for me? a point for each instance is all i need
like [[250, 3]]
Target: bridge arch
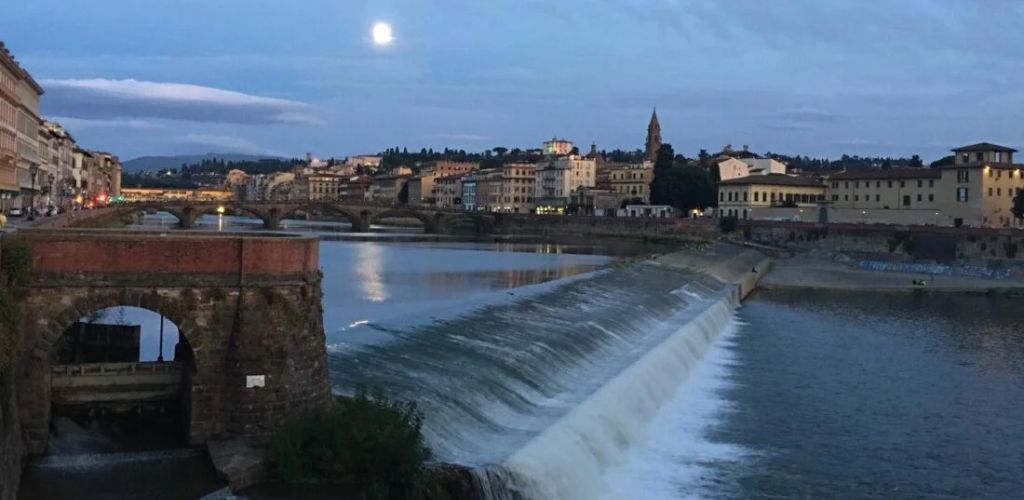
[[430, 221], [358, 221], [197, 211]]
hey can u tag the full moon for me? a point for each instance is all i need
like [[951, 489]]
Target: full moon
[[382, 34]]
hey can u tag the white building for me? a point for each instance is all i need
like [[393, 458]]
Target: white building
[[737, 168], [557, 179]]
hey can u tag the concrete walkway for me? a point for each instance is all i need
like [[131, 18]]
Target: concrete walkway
[[806, 272]]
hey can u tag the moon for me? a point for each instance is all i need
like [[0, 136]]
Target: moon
[[382, 34]]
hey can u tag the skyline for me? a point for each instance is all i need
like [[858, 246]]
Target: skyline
[[816, 78]]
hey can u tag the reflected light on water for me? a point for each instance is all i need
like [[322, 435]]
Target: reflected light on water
[[369, 269]]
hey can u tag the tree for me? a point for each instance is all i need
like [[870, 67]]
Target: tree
[[1018, 204], [500, 151], [915, 162], [886, 165], [661, 191]]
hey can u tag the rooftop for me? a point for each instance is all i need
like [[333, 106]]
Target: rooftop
[[773, 180], [985, 146], [890, 174]]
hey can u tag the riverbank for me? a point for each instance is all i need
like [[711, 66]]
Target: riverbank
[[808, 272]]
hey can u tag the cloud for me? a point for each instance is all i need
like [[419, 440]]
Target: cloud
[[226, 144], [98, 99], [78, 124]]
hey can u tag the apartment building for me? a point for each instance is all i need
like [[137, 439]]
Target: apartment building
[[19, 131], [448, 191], [557, 179], [509, 189], [632, 181], [324, 187]]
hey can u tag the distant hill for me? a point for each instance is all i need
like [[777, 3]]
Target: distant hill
[[154, 163]]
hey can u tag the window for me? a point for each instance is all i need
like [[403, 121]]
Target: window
[[890, 184], [744, 196], [721, 196], [979, 156], [878, 184], [961, 195], [931, 183], [920, 198], [962, 176], [757, 196], [931, 197], [920, 183], [999, 191], [878, 197], [856, 197], [846, 197], [990, 191], [906, 200], [835, 197], [903, 184]]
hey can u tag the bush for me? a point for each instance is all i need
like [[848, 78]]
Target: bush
[[10, 328], [370, 446], [16, 260], [728, 224]]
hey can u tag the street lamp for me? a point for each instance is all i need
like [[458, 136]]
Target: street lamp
[[49, 188], [33, 170]]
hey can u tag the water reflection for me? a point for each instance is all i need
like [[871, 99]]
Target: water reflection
[[369, 268]]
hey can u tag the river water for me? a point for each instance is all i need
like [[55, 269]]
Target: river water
[[571, 375]]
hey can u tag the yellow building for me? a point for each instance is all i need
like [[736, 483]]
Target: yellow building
[[19, 131], [135, 195], [758, 197], [632, 181], [324, 187]]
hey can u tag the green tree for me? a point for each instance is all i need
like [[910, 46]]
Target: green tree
[[661, 186], [915, 161], [886, 165]]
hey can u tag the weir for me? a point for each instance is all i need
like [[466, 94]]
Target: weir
[[541, 407]]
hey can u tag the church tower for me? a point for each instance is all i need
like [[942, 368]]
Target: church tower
[[653, 138]]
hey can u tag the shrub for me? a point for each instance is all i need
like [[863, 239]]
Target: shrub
[[728, 224], [16, 260], [370, 446], [10, 328]]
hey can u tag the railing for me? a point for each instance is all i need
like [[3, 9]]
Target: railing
[[116, 386]]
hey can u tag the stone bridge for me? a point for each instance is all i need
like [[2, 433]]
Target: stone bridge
[[361, 216], [247, 308]]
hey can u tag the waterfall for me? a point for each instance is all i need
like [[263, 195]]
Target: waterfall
[[543, 392], [566, 461]]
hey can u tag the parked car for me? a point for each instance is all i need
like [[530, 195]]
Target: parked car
[[16, 212]]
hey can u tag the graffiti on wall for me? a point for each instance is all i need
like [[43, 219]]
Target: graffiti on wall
[[935, 269]]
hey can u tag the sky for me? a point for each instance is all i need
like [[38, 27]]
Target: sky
[[286, 77]]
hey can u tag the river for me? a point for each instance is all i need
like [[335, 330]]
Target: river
[[571, 375]]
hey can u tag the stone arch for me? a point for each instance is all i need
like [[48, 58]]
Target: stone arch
[[177, 212], [198, 211], [358, 221], [429, 222], [35, 390], [483, 224]]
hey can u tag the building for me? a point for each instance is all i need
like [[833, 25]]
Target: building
[[557, 179], [137, 195], [653, 142], [446, 168], [632, 181], [469, 191], [356, 188], [509, 189], [593, 202], [655, 211], [324, 187], [981, 185], [558, 147], [734, 168], [363, 162], [62, 147], [421, 189], [19, 132], [760, 197], [388, 188], [448, 191]]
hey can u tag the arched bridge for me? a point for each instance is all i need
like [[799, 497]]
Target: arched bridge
[[360, 216], [247, 308]]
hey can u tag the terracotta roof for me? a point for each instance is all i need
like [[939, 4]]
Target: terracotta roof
[[895, 173], [985, 146], [773, 180]]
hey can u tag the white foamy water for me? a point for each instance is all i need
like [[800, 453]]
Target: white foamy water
[[673, 459], [589, 452]]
